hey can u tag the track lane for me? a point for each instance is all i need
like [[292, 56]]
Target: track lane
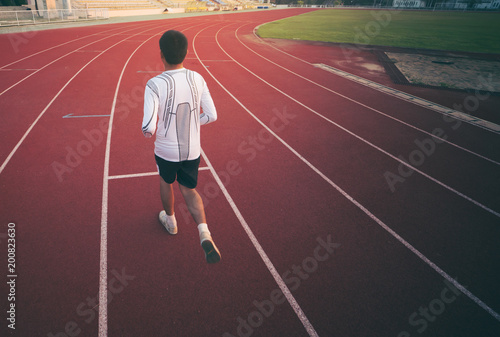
[[38, 44], [457, 131], [68, 267], [37, 64], [307, 75], [103, 278], [235, 74], [320, 108]]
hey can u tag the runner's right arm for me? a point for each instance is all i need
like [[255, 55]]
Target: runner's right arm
[[151, 103]]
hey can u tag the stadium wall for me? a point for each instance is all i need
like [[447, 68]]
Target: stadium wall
[[131, 12]]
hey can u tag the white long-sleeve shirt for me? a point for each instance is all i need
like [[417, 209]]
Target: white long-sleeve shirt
[[173, 101]]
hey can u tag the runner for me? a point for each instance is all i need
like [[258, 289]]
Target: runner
[[172, 104]]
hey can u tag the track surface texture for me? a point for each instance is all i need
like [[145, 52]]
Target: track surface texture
[[339, 210]]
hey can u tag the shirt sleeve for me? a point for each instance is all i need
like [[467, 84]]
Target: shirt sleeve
[[151, 103], [209, 113]]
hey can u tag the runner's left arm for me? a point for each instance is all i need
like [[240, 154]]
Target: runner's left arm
[[209, 113]]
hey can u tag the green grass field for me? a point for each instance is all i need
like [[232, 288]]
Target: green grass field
[[459, 31]]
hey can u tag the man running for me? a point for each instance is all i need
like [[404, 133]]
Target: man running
[[176, 103]]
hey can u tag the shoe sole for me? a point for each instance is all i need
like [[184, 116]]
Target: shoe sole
[[212, 254], [169, 232]]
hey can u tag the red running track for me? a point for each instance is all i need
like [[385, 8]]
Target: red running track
[[338, 210]]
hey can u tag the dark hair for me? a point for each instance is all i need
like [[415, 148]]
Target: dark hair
[[173, 46]]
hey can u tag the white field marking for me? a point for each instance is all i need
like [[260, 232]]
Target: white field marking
[[367, 212], [291, 300], [439, 110], [147, 174], [413, 99], [103, 255], [48, 64], [43, 51], [371, 108], [18, 69], [83, 116], [477, 203], [48, 105], [133, 175]]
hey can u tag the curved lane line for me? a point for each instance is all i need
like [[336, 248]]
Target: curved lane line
[[421, 256], [366, 106], [59, 58], [11, 154], [53, 47], [451, 189], [480, 123]]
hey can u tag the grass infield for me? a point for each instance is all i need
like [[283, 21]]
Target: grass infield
[[458, 31]]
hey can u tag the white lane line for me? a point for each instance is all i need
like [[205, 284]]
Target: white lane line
[[449, 188], [146, 174], [288, 295], [413, 99], [24, 39], [461, 115], [369, 107], [281, 283], [14, 150], [59, 58], [366, 211], [103, 255]]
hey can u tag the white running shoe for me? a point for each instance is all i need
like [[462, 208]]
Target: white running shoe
[[212, 254], [171, 227]]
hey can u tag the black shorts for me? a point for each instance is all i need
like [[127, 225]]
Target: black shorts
[[186, 171]]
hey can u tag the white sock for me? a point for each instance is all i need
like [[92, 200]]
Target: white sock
[[203, 227]]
